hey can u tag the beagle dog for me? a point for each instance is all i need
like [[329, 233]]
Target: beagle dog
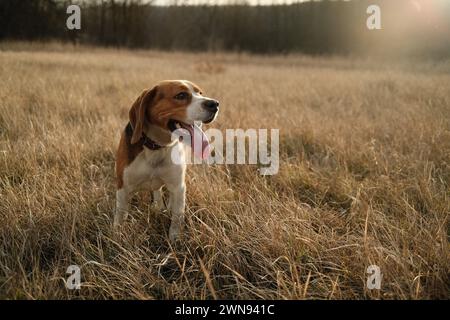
[[145, 148]]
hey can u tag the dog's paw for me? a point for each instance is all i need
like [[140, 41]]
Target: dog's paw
[[116, 225], [158, 205], [118, 220], [175, 233]]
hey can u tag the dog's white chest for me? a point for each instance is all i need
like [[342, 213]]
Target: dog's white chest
[[154, 168]]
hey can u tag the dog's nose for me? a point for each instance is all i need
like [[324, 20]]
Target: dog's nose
[[211, 105]]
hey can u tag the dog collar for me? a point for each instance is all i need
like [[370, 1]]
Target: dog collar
[[146, 141], [149, 143]]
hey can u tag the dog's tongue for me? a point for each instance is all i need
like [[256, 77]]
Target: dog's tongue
[[199, 141]]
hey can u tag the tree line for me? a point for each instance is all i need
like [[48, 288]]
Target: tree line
[[316, 27]]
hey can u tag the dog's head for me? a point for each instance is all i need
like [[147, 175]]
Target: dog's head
[[171, 105]]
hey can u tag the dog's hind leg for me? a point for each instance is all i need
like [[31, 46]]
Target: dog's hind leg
[[158, 201]]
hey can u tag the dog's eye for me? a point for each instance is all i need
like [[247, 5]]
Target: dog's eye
[[181, 96]]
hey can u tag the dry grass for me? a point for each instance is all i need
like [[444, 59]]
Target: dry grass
[[364, 179]]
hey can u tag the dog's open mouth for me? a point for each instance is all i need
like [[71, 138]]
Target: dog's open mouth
[[198, 140]]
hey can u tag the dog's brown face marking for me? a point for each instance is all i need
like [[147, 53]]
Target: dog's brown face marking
[[171, 102]]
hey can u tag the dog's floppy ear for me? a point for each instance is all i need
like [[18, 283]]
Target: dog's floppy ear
[[138, 111]]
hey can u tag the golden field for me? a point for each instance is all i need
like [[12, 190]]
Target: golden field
[[364, 179]]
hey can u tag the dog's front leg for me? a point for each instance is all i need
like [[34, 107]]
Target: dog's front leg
[[176, 206], [121, 206]]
